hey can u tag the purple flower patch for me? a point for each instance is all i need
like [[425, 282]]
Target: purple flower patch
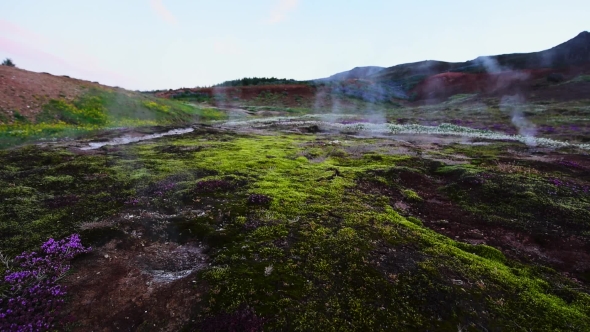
[[133, 201], [160, 189], [259, 199], [573, 187], [34, 299], [211, 186], [570, 164]]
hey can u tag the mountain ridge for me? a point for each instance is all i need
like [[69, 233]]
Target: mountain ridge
[[573, 52]]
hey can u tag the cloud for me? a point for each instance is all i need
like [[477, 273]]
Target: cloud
[[163, 12], [283, 7]]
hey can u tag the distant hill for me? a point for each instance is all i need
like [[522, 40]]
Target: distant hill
[[491, 75], [537, 75], [575, 52], [355, 73]]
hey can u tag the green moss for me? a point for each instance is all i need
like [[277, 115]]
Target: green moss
[[48, 193], [415, 221], [411, 195], [483, 251]]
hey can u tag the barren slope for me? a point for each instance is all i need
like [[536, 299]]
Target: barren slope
[[26, 92]]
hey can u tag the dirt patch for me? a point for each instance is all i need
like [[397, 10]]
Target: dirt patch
[[136, 281]]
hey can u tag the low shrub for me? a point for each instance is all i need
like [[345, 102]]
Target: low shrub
[[8, 62]]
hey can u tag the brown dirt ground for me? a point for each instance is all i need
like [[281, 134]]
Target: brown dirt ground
[[26, 92], [139, 280]]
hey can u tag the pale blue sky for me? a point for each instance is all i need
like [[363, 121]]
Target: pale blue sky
[[157, 44]]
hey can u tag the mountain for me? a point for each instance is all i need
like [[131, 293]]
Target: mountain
[[355, 73], [574, 52], [535, 75], [492, 75]]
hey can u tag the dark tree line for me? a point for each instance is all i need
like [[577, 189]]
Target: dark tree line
[[246, 81]]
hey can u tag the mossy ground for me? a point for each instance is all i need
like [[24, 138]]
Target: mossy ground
[[329, 251]]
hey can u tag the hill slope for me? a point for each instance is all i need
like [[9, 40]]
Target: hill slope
[[40, 105], [575, 52], [526, 73], [355, 73]]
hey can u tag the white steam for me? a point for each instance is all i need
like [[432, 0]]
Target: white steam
[[515, 105], [328, 123], [490, 64]]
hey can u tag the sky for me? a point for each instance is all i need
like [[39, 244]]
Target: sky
[[168, 44]]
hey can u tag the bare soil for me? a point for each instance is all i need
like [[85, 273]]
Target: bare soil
[[26, 92], [140, 280]]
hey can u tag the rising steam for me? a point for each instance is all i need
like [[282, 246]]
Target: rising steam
[[515, 106]]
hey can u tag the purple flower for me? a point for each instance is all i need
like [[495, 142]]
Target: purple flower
[[35, 297], [259, 199], [571, 164], [210, 186], [132, 201]]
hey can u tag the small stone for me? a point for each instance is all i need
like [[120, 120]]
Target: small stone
[[268, 270]]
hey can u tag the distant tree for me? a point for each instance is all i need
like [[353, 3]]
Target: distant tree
[[247, 81], [8, 62]]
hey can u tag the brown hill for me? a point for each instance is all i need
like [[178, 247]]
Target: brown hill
[[355, 73], [572, 53], [535, 74], [290, 95], [26, 92], [557, 84]]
